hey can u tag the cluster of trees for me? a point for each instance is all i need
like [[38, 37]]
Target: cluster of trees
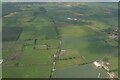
[[69, 58]]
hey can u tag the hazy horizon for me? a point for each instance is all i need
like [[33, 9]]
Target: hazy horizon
[[60, 0]]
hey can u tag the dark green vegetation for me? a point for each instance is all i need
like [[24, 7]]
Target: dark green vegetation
[[13, 32], [32, 33]]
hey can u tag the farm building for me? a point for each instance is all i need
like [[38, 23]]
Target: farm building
[[75, 19], [69, 18], [1, 60], [97, 64], [62, 52]]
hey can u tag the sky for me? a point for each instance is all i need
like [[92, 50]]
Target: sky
[[60, 0]]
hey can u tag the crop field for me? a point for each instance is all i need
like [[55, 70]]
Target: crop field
[[77, 33]]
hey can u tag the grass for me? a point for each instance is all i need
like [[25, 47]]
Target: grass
[[40, 61], [9, 20], [0, 71], [69, 58], [83, 71], [69, 53], [25, 62], [88, 40], [52, 43], [114, 63], [112, 42], [83, 40], [26, 71], [31, 56], [70, 62]]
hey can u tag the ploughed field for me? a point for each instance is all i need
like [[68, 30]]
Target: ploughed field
[[32, 33]]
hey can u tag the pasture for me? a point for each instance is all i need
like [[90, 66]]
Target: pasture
[[32, 36], [21, 59], [83, 71]]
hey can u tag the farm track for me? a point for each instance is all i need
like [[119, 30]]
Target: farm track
[[54, 60], [59, 47]]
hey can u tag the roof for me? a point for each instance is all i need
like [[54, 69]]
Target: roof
[[1, 60], [96, 64]]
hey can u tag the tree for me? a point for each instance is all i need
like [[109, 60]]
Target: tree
[[43, 10], [35, 43]]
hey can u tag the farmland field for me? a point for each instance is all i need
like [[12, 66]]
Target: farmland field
[[59, 40], [86, 71]]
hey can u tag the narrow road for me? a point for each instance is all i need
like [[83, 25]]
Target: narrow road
[[55, 57]]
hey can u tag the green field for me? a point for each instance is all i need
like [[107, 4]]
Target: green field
[[83, 71], [32, 33]]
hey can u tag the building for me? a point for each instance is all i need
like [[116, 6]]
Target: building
[[1, 60], [97, 64], [69, 18]]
